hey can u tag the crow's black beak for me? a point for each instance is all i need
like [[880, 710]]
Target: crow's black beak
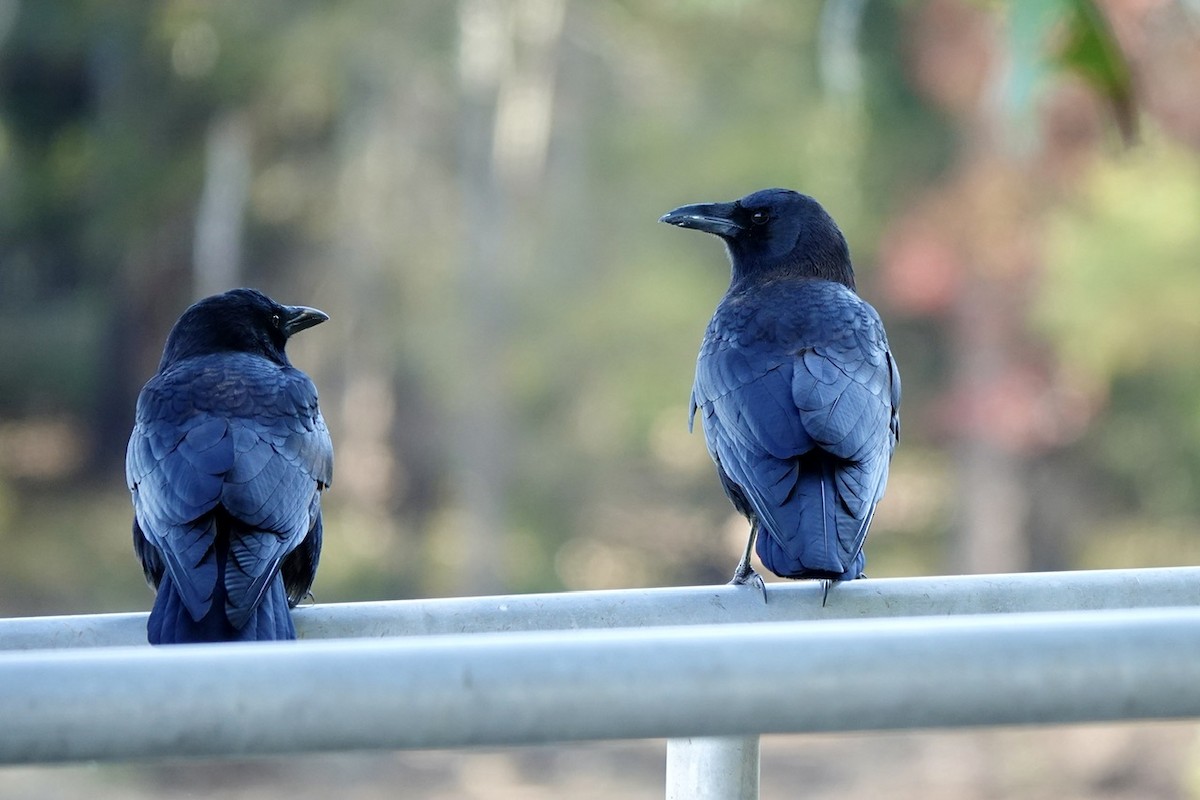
[[297, 318], [715, 218]]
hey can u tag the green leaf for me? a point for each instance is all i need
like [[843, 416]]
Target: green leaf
[[1046, 37], [1090, 50]]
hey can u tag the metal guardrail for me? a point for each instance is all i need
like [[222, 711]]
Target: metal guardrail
[[690, 605], [525, 688], [1049, 648]]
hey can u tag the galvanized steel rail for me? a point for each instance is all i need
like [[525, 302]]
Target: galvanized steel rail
[[691, 605], [526, 688], [655, 663]]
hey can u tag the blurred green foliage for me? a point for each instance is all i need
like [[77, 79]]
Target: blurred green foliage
[[363, 139], [1121, 305]]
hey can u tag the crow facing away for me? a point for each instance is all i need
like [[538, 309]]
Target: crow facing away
[[795, 384], [227, 461]]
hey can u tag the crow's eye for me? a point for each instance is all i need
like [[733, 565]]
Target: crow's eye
[[759, 217], [275, 320]]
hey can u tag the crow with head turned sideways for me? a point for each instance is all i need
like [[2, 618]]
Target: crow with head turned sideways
[[795, 384], [226, 463]]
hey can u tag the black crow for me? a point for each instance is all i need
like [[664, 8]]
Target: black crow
[[227, 462], [797, 389]]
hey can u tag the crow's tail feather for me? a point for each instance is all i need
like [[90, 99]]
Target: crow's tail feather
[[170, 622], [814, 535]]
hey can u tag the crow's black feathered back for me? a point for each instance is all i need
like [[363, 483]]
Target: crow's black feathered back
[[795, 384], [226, 462]]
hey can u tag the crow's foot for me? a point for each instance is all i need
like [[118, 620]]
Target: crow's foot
[[745, 575]]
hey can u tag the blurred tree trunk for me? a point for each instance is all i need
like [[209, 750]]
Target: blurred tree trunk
[[507, 65], [220, 219], [370, 151], [983, 215], [991, 473], [1006, 406]]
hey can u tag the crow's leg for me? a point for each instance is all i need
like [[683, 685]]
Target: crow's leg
[[744, 574], [829, 583]]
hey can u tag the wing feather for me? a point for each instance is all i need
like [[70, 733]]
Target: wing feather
[[229, 437], [801, 414]]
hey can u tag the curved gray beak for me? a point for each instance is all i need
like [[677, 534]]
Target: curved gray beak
[[297, 318], [715, 218]]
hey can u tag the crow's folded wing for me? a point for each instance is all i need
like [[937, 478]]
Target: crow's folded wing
[[804, 426], [230, 440]]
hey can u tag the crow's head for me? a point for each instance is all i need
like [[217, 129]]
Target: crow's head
[[238, 321], [773, 232]]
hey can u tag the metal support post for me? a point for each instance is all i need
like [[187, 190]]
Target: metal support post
[[713, 768]]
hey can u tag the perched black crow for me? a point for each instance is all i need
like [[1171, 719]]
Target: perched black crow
[[797, 389], [227, 461]]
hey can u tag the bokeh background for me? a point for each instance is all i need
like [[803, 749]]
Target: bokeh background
[[470, 189]]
